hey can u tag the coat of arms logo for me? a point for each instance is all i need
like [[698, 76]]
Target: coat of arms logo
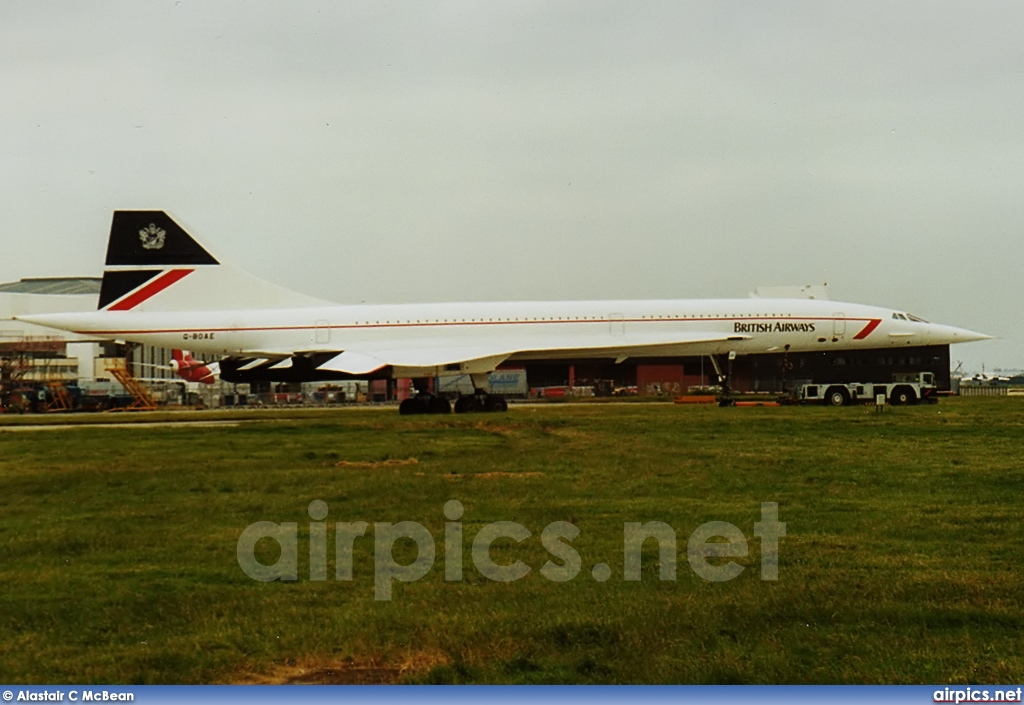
[[152, 237]]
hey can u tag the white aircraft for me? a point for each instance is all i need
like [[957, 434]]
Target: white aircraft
[[983, 377], [161, 287]]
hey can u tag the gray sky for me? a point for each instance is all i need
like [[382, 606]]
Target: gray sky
[[417, 151]]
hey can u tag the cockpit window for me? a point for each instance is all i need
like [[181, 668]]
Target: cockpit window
[[899, 316], [916, 319]]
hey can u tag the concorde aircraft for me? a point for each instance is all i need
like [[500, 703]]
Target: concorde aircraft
[[161, 287]]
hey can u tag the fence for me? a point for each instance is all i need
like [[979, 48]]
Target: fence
[[982, 391]]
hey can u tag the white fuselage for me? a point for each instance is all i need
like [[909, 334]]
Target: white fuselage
[[751, 326]]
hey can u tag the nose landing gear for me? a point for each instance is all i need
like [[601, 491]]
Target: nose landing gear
[[726, 398]]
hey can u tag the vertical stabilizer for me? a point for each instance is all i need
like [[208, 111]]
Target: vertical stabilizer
[[153, 264]]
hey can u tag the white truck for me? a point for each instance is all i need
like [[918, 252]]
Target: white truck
[[905, 389]]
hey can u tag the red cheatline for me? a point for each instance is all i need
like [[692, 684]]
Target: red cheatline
[[866, 330], [151, 289]]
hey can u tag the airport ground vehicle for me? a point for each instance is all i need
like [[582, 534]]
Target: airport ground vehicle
[[904, 389], [90, 396]]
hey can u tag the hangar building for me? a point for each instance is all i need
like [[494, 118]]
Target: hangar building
[[773, 372]]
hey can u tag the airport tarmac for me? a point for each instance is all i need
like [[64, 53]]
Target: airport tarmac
[[125, 424], [259, 414]]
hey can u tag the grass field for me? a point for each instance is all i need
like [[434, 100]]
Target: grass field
[[903, 560]]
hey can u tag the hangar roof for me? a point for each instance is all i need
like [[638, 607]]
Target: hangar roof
[[53, 285]]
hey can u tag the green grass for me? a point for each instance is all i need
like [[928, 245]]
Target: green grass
[[902, 564]]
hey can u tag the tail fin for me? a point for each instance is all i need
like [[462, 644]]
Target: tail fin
[[154, 265], [192, 370], [151, 238]]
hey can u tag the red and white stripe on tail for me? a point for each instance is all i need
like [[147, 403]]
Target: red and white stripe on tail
[[154, 265]]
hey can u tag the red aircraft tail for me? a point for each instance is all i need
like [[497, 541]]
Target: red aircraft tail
[[192, 370]]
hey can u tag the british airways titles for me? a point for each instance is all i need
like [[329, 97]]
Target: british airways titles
[[777, 327]]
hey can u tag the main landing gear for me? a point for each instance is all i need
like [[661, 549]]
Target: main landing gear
[[480, 401], [426, 403]]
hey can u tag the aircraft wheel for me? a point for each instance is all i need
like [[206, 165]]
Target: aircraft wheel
[[439, 405], [412, 406], [495, 403], [464, 405]]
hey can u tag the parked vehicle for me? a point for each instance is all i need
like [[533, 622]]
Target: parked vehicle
[[904, 389]]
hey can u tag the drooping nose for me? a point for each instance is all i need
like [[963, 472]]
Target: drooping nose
[[960, 335]]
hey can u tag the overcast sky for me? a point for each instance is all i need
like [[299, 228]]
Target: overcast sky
[[418, 151]]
